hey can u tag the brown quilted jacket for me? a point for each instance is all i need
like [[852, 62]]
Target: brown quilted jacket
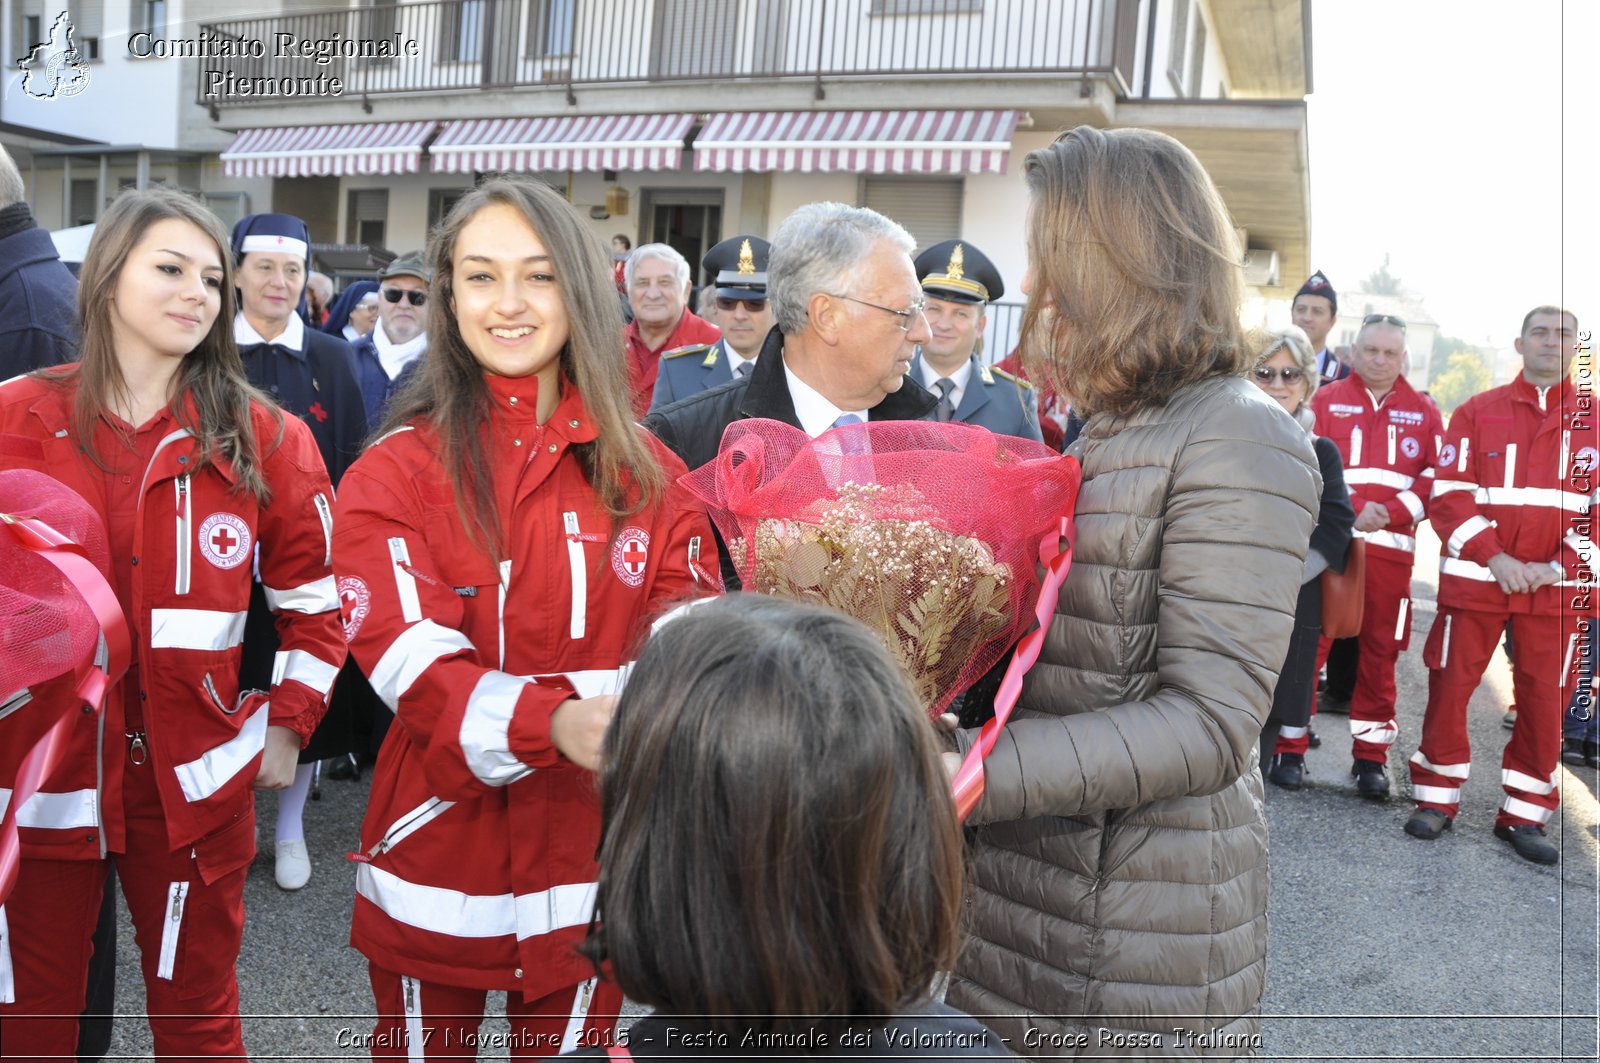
[[1119, 900]]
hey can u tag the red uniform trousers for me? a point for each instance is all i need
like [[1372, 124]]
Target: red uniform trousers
[[1385, 632], [420, 1020], [188, 919], [1298, 739], [1458, 649]]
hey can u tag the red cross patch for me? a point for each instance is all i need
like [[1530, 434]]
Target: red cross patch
[[317, 411], [629, 555], [225, 540]]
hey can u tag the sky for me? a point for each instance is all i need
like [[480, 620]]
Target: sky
[[1462, 137]]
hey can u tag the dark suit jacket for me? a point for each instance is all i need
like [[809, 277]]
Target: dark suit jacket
[[996, 400], [38, 305]]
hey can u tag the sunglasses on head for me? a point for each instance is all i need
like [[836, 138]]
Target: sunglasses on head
[[394, 295], [1384, 319], [1289, 375], [755, 306]]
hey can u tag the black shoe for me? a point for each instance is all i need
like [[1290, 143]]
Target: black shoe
[[1572, 750], [1313, 739], [344, 768], [1288, 771], [1326, 702], [1427, 824], [1372, 779], [1529, 841]]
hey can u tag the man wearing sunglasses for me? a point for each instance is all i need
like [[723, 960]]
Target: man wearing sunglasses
[[1388, 437], [738, 269], [386, 357], [959, 282]]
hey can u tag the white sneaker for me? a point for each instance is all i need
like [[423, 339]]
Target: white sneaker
[[293, 865]]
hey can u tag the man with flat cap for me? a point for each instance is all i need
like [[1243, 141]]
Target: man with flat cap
[[386, 357], [738, 267], [1315, 309], [959, 281]]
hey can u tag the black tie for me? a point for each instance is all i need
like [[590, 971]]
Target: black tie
[[744, 369], [946, 410]]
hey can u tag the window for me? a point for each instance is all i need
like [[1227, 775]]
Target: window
[[1197, 57], [154, 20], [929, 207], [84, 193], [925, 7], [90, 47], [229, 206], [367, 217], [1178, 45], [462, 40], [440, 203], [550, 28]]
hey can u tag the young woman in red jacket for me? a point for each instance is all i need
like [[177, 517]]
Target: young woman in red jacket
[[158, 429], [500, 549]]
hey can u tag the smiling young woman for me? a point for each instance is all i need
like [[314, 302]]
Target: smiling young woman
[[511, 521], [158, 429]]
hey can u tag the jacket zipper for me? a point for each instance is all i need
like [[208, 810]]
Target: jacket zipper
[[185, 521], [413, 1004], [216, 699], [15, 702], [8, 974], [326, 515], [580, 579], [413, 821], [170, 928]]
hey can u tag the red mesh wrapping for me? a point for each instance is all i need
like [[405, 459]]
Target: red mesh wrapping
[[927, 532], [46, 628]]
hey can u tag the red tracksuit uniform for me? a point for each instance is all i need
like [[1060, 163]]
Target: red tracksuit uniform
[[1389, 449], [1516, 475], [479, 842], [173, 808]]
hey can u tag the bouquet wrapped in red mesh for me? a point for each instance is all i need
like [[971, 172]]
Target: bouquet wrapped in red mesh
[[927, 532]]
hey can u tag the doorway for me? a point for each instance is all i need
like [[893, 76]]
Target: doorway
[[688, 220]]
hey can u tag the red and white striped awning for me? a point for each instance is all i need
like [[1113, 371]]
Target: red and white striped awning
[[327, 150], [564, 142], [857, 141]]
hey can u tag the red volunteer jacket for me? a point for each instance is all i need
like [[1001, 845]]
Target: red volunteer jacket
[[479, 841], [1517, 474], [644, 363], [1389, 450], [192, 550]]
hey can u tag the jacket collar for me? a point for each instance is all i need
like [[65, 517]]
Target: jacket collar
[[570, 420], [768, 392], [1402, 391], [1556, 396], [25, 249], [292, 340]]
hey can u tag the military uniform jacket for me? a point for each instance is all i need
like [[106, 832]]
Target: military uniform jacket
[[690, 370], [996, 400]]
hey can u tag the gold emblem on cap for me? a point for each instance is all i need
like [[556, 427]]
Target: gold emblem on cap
[[958, 264], [747, 260]]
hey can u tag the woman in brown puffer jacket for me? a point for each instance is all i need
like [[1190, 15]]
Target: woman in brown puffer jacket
[[1120, 857]]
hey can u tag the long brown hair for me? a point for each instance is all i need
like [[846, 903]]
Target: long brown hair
[[822, 878], [211, 374], [1136, 271], [449, 388]]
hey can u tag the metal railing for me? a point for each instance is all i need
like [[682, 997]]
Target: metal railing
[[443, 45]]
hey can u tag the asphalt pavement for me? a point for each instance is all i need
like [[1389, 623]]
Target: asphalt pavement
[[1382, 946]]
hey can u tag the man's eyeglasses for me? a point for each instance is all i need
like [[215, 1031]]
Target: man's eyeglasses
[[726, 305], [394, 295], [906, 316], [1265, 374], [1384, 319]]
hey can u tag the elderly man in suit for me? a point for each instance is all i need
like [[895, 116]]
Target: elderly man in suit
[[959, 281], [738, 267]]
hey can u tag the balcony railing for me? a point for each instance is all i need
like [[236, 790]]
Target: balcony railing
[[442, 45]]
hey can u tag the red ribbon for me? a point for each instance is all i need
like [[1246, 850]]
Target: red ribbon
[[90, 682], [967, 786]]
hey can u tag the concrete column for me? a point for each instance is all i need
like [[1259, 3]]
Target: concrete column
[[66, 191], [141, 179]]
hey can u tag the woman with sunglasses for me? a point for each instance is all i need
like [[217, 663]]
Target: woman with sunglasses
[[500, 549], [158, 428], [1288, 372]]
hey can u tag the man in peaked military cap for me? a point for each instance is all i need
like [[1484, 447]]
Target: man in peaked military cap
[[738, 268], [958, 281]]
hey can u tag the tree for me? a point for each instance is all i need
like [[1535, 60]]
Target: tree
[[1466, 373], [1381, 282]]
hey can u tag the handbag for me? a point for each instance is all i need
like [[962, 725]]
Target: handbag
[[1344, 592]]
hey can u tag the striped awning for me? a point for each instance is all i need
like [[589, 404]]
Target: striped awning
[[327, 150], [565, 142], [857, 141]]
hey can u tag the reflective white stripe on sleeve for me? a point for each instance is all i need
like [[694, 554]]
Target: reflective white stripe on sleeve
[[1449, 771], [411, 654], [1526, 783], [405, 584], [559, 906], [1412, 503], [1355, 453], [578, 1017], [579, 575], [325, 516], [1564, 465], [1444, 487], [1438, 795], [437, 910], [66, 810], [171, 927], [1383, 477], [1566, 661], [195, 629], [1464, 532], [8, 975], [593, 683], [1402, 620], [212, 770], [1553, 497], [1444, 645], [484, 736], [1511, 465], [1378, 732], [302, 667], [1525, 810], [1454, 566], [1393, 540], [320, 596], [1461, 460]]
